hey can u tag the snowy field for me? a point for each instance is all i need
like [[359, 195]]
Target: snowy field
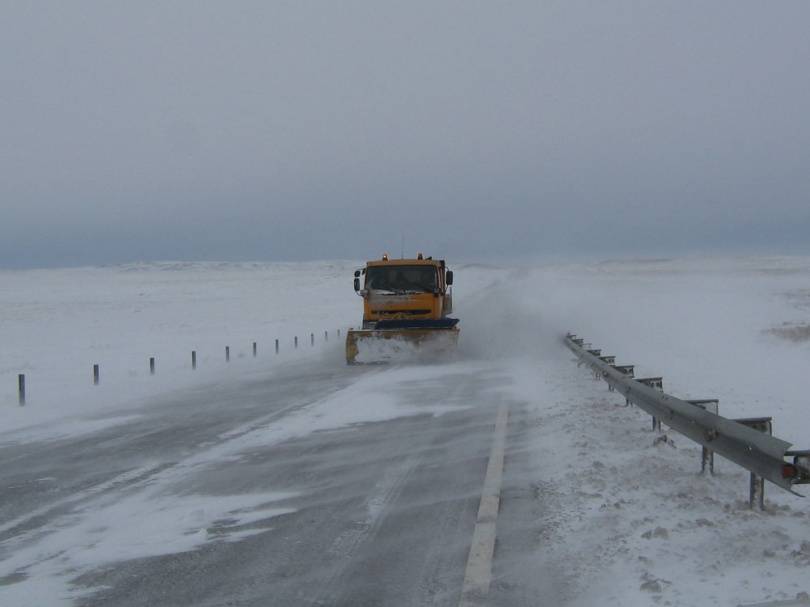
[[57, 323], [734, 329], [620, 521]]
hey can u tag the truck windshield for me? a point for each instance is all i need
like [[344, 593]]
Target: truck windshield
[[421, 279]]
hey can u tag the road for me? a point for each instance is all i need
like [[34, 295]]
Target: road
[[319, 484]]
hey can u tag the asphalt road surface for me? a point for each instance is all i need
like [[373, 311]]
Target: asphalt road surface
[[369, 509]]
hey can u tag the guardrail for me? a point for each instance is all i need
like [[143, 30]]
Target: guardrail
[[747, 442]]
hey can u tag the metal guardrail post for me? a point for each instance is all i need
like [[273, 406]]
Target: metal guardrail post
[[628, 370], [597, 374], [712, 405], [756, 493], [609, 360], [624, 370], [652, 382], [658, 384]]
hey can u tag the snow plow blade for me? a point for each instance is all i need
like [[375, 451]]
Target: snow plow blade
[[379, 346]]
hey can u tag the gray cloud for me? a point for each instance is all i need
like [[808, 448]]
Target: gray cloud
[[292, 130]]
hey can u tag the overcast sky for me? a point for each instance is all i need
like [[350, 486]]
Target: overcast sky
[[303, 130]]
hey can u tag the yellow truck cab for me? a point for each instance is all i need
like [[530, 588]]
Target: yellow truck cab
[[404, 300], [405, 290]]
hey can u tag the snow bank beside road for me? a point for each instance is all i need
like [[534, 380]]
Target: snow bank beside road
[[703, 324], [625, 520], [55, 324]]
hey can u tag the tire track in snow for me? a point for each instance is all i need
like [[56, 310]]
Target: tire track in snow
[[344, 547]]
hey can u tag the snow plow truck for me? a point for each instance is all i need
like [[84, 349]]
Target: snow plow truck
[[406, 303]]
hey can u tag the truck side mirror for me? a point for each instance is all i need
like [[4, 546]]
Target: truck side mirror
[[357, 273], [356, 284], [449, 277]]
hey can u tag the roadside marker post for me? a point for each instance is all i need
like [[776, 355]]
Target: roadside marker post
[[21, 388]]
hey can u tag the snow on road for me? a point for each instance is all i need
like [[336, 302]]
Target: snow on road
[[91, 530], [613, 517]]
